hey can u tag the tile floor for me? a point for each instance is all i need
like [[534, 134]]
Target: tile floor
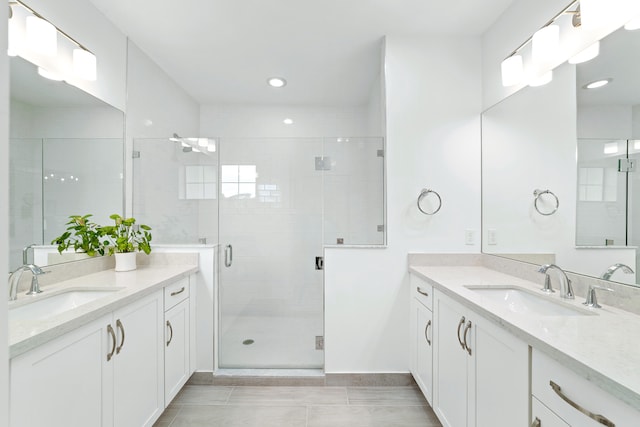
[[206, 405]]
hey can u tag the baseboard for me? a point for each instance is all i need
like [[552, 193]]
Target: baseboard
[[281, 379]]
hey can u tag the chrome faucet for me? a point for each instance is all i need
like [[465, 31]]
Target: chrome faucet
[[566, 290], [25, 254], [14, 280], [607, 274]]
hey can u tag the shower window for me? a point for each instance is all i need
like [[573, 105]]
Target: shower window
[[200, 182], [239, 181]]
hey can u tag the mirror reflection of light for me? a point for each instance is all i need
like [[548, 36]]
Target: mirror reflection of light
[[611, 148], [636, 144]]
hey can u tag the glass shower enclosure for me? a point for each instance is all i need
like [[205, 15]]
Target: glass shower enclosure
[[272, 204]]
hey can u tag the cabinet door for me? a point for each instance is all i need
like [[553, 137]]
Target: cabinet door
[[138, 398], [501, 377], [450, 363], [424, 357], [176, 353], [61, 383]]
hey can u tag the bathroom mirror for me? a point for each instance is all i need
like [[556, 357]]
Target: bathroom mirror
[[66, 158], [558, 182]]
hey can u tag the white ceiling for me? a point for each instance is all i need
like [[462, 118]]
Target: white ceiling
[[222, 51]]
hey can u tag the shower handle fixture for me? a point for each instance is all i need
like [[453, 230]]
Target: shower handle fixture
[[228, 255]]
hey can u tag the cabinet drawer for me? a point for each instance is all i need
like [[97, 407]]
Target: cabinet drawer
[[175, 293], [422, 291], [580, 391], [544, 415]]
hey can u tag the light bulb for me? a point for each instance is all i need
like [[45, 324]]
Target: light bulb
[[545, 44], [42, 36], [512, 70], [84, 64], [586, 55]]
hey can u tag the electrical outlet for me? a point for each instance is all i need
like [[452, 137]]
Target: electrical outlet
[[469, 237], [491, 236]]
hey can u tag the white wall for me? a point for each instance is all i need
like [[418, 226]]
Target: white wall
[[156, 108], [4, 217], [433, 102], [605, 121]]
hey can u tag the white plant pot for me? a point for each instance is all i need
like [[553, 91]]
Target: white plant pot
[[125, 261]]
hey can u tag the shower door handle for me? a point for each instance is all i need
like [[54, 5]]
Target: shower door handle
[[228, 255]]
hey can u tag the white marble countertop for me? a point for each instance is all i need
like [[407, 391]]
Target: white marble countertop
[[604, 347], [25, 335]]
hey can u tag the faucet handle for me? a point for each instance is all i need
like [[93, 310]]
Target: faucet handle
[[592, 300]]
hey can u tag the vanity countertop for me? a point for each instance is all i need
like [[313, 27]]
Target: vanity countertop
[[604, 348], [25, 335]]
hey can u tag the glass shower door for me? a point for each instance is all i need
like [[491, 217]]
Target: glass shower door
[[270, 291]]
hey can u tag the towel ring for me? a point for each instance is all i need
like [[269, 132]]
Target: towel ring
[[538, 194], [423, 194]]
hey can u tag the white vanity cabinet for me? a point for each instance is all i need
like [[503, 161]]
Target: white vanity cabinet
[[480, 372], [574, 399], [421, 341], [64, 382], [107, 373], [138, 363], [177, 338]]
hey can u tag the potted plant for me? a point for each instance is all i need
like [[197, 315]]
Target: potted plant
[[82, 235], [124, 240]]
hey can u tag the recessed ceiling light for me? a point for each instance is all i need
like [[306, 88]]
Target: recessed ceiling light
[[287, 121], [276, 82], [597, 84]]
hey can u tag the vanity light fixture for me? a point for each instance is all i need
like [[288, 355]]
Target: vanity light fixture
[[211, 148], [512, 70], [598, 83], [545, 44], [586, 55], [599, 13], [203, 142], [50, 75], [288, 121], [277, 82], [542, 79], [42, 38]]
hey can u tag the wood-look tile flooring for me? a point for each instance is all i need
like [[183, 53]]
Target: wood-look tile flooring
[[207, 405]]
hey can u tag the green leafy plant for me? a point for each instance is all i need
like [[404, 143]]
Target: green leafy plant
[[82, 235], [125, 236]]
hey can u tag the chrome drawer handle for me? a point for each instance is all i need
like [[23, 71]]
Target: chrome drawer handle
[[460, 326], [121, 327], [174, 293], [466, 330], [113, 342], [420, 291], [599, 418], [426, 330], [170, 330], [536, 423]]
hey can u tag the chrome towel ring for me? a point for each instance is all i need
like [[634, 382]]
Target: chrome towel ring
[[424, 193], [537, 194]]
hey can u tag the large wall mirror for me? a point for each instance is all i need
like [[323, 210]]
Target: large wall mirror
[[66, 158], [560, 182]]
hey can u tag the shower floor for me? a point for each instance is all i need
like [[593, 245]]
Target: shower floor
[[270, 342]]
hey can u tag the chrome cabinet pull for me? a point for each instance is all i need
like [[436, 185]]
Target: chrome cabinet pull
[[170, 330], [121, 327], [466, 329], [420, 291], [426, 330], [536, 423], [460, 326], [228, 255], [599, 418], [174, 293], [113, 342]]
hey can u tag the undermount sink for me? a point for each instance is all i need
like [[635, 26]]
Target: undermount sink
[[46, 306], [523, 301]]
